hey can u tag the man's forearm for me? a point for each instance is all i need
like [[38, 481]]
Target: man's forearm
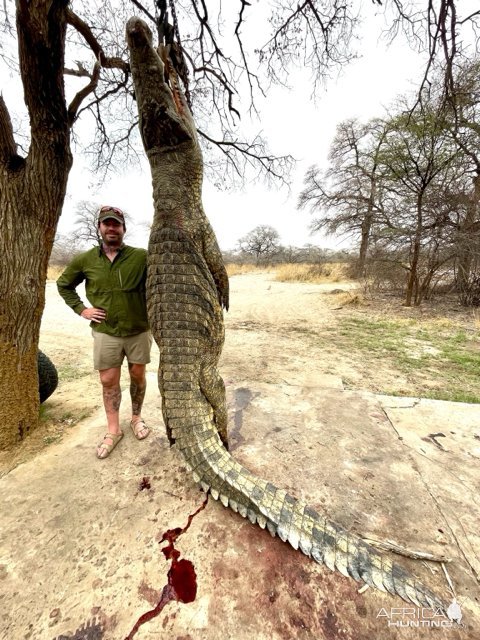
[[72, 298]]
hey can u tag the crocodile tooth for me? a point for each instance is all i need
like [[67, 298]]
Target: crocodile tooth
[[214, 493], [261, 521], [233, 505], [272, 528], [252, 516], [196, 477], [205, 486]]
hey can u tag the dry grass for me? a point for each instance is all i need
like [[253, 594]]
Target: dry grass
[[234, 269], [345, 298], [327, 272], [54, 271]]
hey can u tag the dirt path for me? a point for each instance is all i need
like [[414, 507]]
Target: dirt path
[[271, 328]]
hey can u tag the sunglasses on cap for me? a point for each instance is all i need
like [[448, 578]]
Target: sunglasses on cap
[[111, 212], [106, 209]]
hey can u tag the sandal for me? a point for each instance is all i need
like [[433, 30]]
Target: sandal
[[140, 429], [104, 449]]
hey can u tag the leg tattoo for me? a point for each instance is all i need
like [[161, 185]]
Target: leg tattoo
[[137, 393], [112, 399], [138, 386]]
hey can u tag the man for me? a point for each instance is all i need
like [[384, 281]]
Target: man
[[114, 276]]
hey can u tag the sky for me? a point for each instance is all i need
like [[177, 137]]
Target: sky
[[293, 124]]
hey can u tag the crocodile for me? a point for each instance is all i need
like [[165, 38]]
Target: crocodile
[[187, 291]]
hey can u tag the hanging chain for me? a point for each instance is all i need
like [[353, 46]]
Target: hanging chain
[[175, 22], [162, 21], [169, 35], [178, 58]]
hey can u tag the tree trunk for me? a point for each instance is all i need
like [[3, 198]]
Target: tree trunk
[[465, 250], [413, 276], [365, 233], [32, 192]]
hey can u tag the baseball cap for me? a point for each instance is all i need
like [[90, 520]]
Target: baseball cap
[[107, 212]]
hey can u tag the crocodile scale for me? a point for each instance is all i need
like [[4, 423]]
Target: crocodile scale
[[187, 287]]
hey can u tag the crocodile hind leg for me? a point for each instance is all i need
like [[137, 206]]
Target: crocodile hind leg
[[213, 388]]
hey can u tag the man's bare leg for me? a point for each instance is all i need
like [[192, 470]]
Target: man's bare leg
[[112, 397], [138, 386]]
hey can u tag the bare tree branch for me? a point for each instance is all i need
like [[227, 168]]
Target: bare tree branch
[[81, 95], [253, 153], [314, 33], [79, 72], [83, 28]]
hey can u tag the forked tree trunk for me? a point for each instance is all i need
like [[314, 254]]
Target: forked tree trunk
[[415, 255], [32, 192], [365, 233], [467, 250]]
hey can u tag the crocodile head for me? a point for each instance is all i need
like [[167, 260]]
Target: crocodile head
[[165, 120]]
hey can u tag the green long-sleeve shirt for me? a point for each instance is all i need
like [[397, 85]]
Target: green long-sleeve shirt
[[117, 287]]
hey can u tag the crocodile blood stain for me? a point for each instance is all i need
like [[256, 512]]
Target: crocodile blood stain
[[182, 579]]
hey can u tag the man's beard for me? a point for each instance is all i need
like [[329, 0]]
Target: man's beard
[[113, 241]]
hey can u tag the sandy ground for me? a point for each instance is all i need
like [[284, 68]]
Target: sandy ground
[[79, 555]]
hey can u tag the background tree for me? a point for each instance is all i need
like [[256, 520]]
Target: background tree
[[65, 247], [263, 243], [402, 183], [85, 227], [417, 156], [348, 194], [462, 118]]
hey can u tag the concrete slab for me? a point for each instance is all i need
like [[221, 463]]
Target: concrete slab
[[442, 440], [80, 557]]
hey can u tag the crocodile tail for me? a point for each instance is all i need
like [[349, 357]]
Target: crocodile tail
[[295, 522]]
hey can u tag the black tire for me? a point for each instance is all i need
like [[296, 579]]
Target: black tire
[[47, 376]]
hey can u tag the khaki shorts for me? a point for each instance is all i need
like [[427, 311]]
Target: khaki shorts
[[109, 351]]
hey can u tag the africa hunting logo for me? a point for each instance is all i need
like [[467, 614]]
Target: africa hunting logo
[[421, 616]]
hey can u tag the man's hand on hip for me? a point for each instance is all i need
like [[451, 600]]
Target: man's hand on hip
[[94, 315]]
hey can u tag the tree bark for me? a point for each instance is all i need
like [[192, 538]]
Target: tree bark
[[365, 232], [466, 251], [32, 192], [413, 276]]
